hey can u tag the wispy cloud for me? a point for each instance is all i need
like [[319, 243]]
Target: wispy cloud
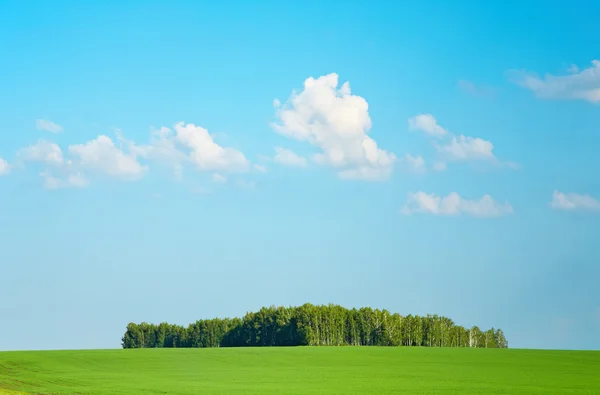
[[453, 205], [574, 202], [481, 91], [427, 124], [576, 85], [4, 167], [455, 148], [289, 158], [48, 126]]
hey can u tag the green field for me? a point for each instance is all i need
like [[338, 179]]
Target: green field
[[301, 370]]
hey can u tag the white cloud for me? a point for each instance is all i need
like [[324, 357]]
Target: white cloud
[[428, 124], [260, 168], [205, 153], [439, 166], [191, 144], [463, 148], [453, 205], [48, 126], [454, 148], [413, 163], [472, 89], [336, 122], [289, 158], [244, 184], [577, 85], [574, 201], [366, 173], [162, 148], [43, 152], [219, 178], [75, 180], [102, 156], [4, 167]]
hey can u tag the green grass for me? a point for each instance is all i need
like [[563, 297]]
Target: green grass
[[302, 370]]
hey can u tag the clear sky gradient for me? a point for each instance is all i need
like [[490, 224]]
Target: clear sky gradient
[[171, 161]]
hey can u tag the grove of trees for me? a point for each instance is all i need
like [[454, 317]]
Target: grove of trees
[[310, 325]]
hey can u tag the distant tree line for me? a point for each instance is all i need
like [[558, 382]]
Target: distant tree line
[[309, 325]]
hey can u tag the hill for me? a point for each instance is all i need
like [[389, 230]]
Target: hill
[[302, 370]]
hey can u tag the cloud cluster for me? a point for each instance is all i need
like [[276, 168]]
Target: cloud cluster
[[453, 205], [184, 145], [574, 202], [576, 85], [337, 123], [189, 144], [452, 148]]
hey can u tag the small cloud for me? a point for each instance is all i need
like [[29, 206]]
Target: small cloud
[[276, 103], [413, 163], [289, 158], [577, 85], [76, 180], [244, 184], [366, 173], [454, 205], [48, 126], [463, 148], [102, 156], [573, 69], [454, 148], [260, 168], [198, 190], [219, 178], [42, 152], [439, 166], [428, 124], [574, 202], [4, 167], [472, 89]]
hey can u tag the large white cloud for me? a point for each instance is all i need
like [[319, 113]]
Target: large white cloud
[[4, 167], [337, 123], [453, 205], [577, 85], [48, 126], [102, 156], [574, 201]]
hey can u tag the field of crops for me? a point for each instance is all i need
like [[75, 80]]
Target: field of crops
[[301, 370]]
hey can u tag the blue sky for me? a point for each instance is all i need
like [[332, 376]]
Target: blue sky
[[170, 161]]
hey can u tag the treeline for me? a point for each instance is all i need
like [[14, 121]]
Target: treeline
[[310, 325]]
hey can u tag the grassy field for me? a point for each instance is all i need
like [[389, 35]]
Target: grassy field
[[302, 370]]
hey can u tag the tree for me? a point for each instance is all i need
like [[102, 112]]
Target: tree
[[328, 325]]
